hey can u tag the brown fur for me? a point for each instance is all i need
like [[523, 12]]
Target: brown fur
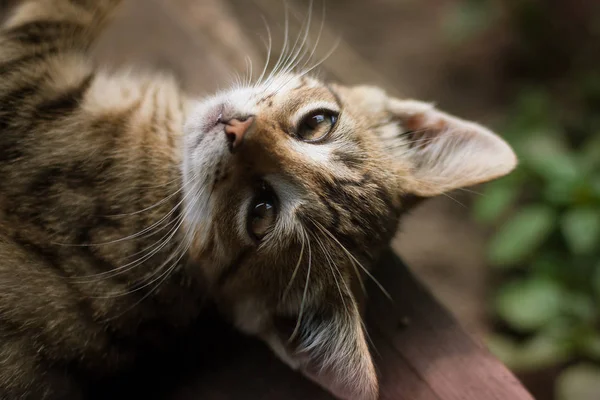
[[97, 239]]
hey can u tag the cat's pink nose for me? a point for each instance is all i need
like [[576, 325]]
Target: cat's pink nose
[[236, 129]]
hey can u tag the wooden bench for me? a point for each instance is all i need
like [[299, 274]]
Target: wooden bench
[[421, 353]]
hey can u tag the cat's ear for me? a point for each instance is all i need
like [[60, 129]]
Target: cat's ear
[[329, 349], [444, 152]]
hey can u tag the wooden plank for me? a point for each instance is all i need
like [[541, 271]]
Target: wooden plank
[[421, 353], [428, 339]]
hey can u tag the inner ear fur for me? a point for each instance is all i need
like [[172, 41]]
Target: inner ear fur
[[444, 152]]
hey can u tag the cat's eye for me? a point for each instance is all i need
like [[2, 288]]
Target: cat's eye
[[316, 125], [262, 213]]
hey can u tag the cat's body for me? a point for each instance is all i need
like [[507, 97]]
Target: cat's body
[[77, 173], [123, 206]]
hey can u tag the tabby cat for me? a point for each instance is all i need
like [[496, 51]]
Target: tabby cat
[[124, 203]]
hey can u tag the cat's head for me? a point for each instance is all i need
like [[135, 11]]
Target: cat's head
[[292, 189]]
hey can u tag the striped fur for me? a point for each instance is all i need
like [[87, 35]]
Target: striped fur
[[122, 207]]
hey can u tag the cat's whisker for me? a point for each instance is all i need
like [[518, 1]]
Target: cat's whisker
[[365, 270], [146, 281], [149, 279], [125, 238], [293, 55], [354, 267], [172, 222], [322, 60], [234, 77], [293, 51], [138, 234], [372, 346], [275, 69], [131, 265], [475, 192], [177, 178], [248, 80], [455, 200], [122, 269], [147, 208], [244, 76], [317, 40], [259, 81], [295, 271], [158, 245], [301, 51], [163, 276], [303, 302], [333, 268], [296, 53]]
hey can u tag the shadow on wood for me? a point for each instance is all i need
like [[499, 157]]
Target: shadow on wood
[[420, 351]]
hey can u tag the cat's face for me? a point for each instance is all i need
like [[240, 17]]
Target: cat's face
[[293, 187]]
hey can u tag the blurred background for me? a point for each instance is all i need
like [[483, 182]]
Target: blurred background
[[518, 260]]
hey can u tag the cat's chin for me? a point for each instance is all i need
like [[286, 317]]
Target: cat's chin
[[340, 390], [321, 376]]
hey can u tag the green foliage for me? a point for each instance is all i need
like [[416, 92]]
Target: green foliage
[[545, 217], [579, 382], [581, 229], [469, 18], [528, 305], [522, 235], [547, 229]]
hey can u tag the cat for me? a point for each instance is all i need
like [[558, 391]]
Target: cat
[[125, 204]]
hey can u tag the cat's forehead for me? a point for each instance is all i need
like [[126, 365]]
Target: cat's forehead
[[284, 96], [288, 86]]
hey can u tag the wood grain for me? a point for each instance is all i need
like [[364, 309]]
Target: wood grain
[[421, 353]]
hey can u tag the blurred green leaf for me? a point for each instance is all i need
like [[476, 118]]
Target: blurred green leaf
[[521, 235], [579, 306], [543, 350], [578, 192], [549, 265], [579, 382], [595, 186], [532, 112], [468, 19], [504, 348], [554, 233], [590, 155], [560, 192], [596, 281], [495, 200], [550, 158], [527, 305], [581, 229], [589, 344]]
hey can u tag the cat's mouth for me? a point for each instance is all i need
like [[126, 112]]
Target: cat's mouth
[[210, 124]]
